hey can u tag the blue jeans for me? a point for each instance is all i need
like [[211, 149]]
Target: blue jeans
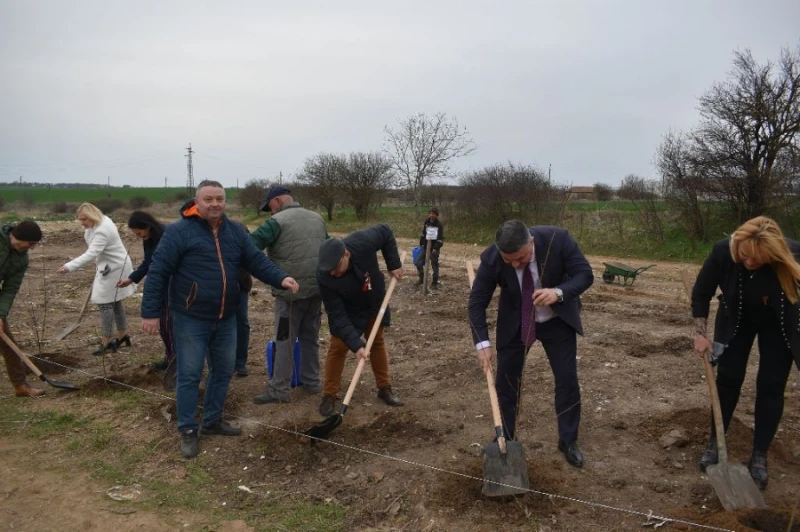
[[195, 342], [242, 332]]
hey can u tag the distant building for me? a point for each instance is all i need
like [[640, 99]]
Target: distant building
[[586, 193]]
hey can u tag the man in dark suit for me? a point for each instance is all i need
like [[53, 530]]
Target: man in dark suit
[[542, 273]]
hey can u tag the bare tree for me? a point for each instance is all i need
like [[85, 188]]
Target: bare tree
[[323, 174], [253, 193], [747, 125], [422, 148], [647, 206], [603, 192], [684, 187], [364, 178]]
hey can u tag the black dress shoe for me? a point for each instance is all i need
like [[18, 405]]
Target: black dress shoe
[[223, 428], [387, 396], [758, 468], [571, 451], [710, 456], [110, 347], [159, 366], [326, 406]]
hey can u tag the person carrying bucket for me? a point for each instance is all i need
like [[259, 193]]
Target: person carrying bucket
[[292, 237], [432, 222]]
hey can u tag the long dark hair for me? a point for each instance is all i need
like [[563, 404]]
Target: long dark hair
[[145, 220]]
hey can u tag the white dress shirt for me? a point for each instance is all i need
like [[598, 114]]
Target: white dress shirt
[[542, 313]]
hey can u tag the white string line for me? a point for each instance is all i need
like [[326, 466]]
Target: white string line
[[650, 516]]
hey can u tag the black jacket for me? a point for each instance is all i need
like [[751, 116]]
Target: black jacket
[[566, 268], [149, 246], [349, 301], [435, 244], [719, 270]]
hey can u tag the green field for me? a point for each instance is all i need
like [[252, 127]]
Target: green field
[[13, 194]]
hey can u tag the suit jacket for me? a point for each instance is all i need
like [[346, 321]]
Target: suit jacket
[[565, 268], [719, 270]]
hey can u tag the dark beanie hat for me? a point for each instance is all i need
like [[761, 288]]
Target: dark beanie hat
[[330, 253], [434, 210], [27, 231]]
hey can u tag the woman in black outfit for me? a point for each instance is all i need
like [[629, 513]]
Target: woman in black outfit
[[757, 271], [150, 230]]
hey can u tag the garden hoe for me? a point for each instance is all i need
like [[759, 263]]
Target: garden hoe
[[324, 429], [732, 483], [70, 328], [505, 471], [34, 369]]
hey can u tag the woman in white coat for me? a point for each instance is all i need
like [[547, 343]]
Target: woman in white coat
[[113, 263]]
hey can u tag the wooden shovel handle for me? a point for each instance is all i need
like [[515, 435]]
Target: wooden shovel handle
[[498, 420], [719, 426], [19, 353], [373, 333], [85, 304]]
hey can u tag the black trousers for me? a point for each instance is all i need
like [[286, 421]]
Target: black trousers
[[420, 264], [560, 344], [774, 365]]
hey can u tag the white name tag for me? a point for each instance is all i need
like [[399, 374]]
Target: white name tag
[[431, 233]]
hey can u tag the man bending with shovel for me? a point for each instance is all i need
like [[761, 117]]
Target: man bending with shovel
[[542, 273], [15, 241], [352, 289]]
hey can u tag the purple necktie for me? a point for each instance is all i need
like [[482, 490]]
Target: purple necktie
[[528, 312]]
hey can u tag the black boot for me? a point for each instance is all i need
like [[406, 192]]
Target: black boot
[[110, 347], [710, 456], [758, 468], [125, 340]]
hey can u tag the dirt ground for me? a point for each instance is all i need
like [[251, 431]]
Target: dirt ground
[[416, 467]]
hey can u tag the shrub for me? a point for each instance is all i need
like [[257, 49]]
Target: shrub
[[27, 199], [59, 207], [140, 202], [108, 205], [2, 203]]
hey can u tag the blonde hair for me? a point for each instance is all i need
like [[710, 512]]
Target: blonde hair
[[91, 212], [762, 240]]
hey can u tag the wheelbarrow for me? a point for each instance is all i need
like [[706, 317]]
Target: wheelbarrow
[[624, 272]]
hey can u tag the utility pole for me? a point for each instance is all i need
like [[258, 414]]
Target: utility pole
[[280, 178], [165, 181], [108, 185], [549, 169], [189, 170]]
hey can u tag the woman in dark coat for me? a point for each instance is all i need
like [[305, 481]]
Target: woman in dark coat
[[757, 271], [146, 227]]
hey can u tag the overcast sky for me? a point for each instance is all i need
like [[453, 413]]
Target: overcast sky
[[91, 89]]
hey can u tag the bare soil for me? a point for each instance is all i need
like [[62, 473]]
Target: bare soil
[[416, 467]]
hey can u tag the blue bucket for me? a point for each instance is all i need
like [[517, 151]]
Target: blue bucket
[[416, 252], [295, 370]]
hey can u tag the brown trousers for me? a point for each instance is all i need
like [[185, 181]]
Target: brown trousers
[[16, 368], [337, 354]]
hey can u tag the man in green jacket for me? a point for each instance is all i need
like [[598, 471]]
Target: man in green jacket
[[292, 237], [15, 241]]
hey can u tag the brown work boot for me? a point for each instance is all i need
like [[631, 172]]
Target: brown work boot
[[26, 390], [326, 406], [387, 396]]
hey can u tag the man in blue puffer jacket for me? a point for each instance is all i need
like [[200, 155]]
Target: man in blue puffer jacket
[[197, 262]]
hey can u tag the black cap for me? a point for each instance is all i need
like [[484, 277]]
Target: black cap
[[330, 253], [273, 192], [27, 231]]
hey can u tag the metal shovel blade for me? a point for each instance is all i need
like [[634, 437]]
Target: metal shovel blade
[[324, 429], [60, 384], [734, 486], [504, 473], [67, 331]]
